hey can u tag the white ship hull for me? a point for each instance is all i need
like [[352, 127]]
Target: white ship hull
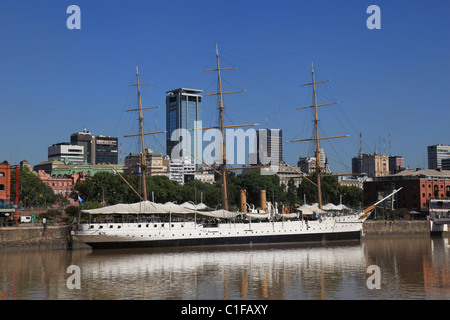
[[438, 226], [439, 215], [167, 234]]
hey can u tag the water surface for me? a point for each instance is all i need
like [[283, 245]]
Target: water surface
[[410, 268]]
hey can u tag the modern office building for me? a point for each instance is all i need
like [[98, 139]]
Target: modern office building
[[396, 164], [84, 139], [97, 149], [268, 148], [69, 154], [181, 170], [357, 165], [446, 164], [184, 111], [436, 154], [105, 150]]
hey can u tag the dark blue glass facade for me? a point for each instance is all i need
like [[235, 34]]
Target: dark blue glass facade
[[183, 111]]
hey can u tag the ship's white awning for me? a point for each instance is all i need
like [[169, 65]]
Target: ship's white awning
[[192, 206], [219, 214], [333, 207], [309, 209], [143, 207]]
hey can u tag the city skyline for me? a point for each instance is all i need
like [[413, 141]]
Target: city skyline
[[389, 81]]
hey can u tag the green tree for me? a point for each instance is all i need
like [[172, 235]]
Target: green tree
[[291, 194], [164, 189], [196, 191], [331, 191], [254, 182], [73, 212], [32, 191], [352, 196], [108, 188], [307, 190], [51, 215]]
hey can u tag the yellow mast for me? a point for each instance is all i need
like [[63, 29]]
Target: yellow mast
[[222, 127], [317, 138], [143, 164], [316, 122], [141, 130]]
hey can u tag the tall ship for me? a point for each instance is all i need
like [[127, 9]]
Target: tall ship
[[150, 224]]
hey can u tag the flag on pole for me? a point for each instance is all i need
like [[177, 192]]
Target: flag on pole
[[79, 199]]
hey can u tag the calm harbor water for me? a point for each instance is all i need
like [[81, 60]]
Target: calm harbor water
[[410, 268]]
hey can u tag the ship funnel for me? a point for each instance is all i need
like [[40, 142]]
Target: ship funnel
[[243, 204], [262, 200]]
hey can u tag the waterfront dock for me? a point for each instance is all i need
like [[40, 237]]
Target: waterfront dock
[[50, 236], [59, 236], [393, 227]]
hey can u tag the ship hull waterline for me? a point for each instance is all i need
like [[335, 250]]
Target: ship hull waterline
[[138, 236], [248, 240]]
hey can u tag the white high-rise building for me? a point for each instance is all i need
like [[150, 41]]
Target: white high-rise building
[[181, 170], [66, 152]]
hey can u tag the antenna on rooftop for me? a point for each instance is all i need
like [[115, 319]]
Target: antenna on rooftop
[[360, 144], [390, 144]]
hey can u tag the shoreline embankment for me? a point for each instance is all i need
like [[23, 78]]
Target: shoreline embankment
[[394, 227], [36, 236], [60, 237]]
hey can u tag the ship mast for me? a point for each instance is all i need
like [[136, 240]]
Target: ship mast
[[316, 123], [222, 130], [223, 166], [316, 127], [143, 156]]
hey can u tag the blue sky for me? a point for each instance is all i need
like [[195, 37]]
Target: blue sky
[[55, 81]]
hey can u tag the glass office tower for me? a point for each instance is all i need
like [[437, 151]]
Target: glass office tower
[[184, 111]]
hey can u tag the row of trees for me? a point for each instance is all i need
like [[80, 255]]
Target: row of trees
[[110, 189]]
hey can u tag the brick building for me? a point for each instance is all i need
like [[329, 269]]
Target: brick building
[[419, 186], [63, 185], [5, 183]]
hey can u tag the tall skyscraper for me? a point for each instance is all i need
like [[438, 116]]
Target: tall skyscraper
[[436, 154], [184, 111], [268, 147]]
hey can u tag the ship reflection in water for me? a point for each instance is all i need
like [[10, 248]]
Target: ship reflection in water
[[410, 268]]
